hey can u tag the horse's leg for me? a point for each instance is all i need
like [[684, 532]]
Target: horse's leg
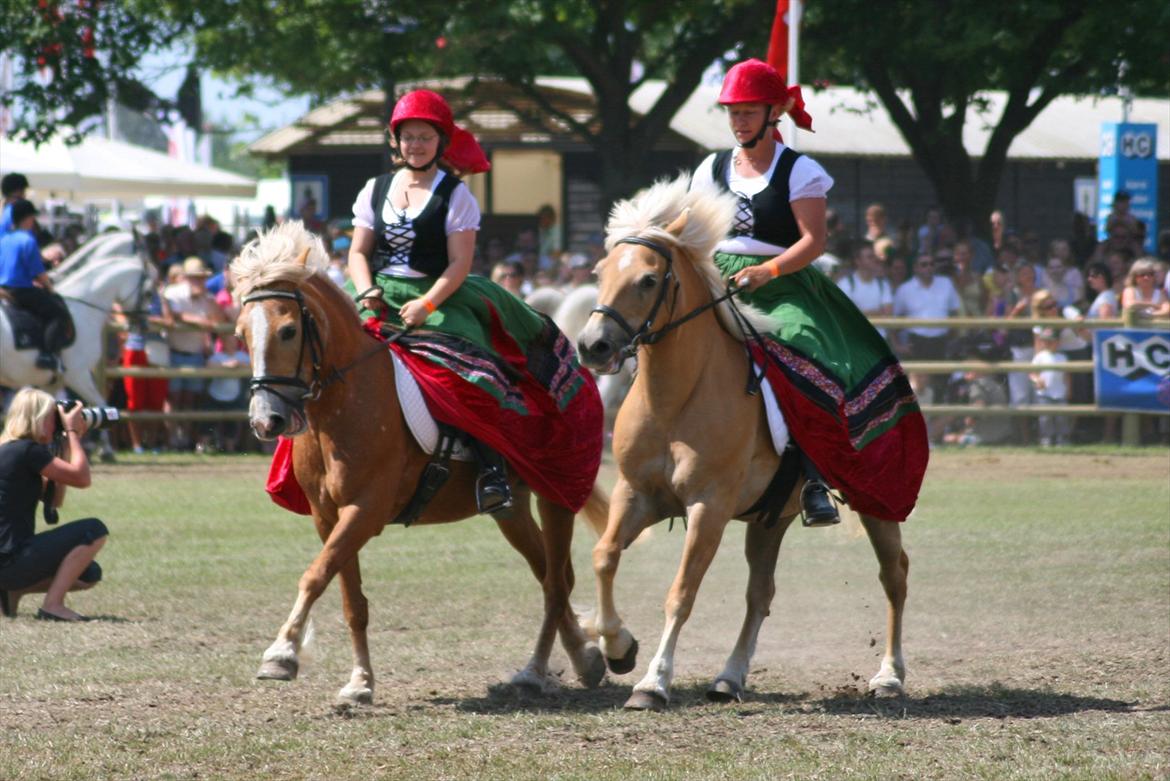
[[525, 536], [705, 526], [886, 537], [344, 540], [360, 689], [629, 514], [761, 549]]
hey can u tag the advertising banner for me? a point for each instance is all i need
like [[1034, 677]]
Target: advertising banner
[[1131, 370]]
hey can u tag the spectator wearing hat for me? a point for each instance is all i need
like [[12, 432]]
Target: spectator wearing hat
[[13, 188], [192, 306], [24, 277]]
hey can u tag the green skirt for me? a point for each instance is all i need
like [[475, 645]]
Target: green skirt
[[465, 313]]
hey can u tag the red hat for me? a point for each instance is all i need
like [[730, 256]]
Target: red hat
[[462, 152], [755, 81]]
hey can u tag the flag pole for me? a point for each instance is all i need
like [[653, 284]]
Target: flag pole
[[795, 11]]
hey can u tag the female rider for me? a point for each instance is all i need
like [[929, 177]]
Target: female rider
[[409, 263], [844, 396]]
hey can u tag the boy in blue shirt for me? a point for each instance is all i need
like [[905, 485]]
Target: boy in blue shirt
[[24, 278]]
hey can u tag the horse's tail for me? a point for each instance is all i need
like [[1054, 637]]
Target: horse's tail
[[596, 509]]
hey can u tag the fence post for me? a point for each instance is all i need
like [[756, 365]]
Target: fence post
[[1131, 428]]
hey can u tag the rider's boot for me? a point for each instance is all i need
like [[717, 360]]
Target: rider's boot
[[493, 495], [49, 361], [815, 502]]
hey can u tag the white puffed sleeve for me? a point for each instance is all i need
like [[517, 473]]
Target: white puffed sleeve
[[363, 211], [808, 180], [702, 178], [463, 211]]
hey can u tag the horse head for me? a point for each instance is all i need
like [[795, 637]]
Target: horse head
[[660, 245], [634, 280], [284, 319]]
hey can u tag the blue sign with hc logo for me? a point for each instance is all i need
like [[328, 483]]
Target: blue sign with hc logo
[[1129, 162], [1132, 370]]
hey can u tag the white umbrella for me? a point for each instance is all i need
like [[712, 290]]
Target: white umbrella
[[98, 168]]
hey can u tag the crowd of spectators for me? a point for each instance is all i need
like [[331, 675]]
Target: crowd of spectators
[[940, 270], [935, 270]]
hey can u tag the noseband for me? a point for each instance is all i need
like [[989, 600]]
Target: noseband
[[310, 339]]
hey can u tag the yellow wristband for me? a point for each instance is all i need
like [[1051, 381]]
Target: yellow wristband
[[430, 305], [774, 268]]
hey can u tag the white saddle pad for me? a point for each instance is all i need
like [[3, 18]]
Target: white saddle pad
[[776, 424], [418, 417]]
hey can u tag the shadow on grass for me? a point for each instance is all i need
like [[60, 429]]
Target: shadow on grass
[[973, 702]]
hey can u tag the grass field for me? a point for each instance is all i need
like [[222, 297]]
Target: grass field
[[1037, 640]]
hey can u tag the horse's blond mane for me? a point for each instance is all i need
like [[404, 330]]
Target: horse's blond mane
[[272, 257], [712, 211]]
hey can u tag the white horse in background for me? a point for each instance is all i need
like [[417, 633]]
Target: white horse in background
[[571, 316], [545, 300], [90, 292], [104, 245]]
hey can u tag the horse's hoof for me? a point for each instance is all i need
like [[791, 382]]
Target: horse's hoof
[[362, 695], [278, 670], [651, 701], [626, 663], [884, 687], [107, 458], [724, 690], [528, 681], [595, 667]]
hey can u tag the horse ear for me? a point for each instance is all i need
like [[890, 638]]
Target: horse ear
[[676, 228], [303, 258]]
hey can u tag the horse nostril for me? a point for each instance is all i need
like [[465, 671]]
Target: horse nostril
[[276, 423], [601, 349]]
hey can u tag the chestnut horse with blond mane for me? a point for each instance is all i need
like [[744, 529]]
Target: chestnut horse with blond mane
[[688, 440], [320, 378]]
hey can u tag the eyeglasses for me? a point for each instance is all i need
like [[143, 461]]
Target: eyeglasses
[[924, 265], [408, 139], [1144, 274]]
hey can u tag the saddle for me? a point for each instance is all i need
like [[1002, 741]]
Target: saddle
[[28, 330]]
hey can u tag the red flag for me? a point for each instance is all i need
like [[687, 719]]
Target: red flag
[[778, 45]]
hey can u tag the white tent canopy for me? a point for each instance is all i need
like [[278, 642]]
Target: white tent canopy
[[98, 168]]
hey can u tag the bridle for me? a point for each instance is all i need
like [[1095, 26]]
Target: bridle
[[644, 334], [310, 341]]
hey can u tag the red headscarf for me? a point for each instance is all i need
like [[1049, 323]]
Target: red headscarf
[[463, 152], [755, 81]]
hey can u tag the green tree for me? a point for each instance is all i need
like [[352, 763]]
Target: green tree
[[928, 64], [70, 59]]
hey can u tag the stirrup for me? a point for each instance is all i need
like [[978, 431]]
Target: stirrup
[[816, 504], [493, 495]]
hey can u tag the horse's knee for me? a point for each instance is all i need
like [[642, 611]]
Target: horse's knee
[[606, 556]]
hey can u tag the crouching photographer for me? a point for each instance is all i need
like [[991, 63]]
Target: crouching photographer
[[60, 560]]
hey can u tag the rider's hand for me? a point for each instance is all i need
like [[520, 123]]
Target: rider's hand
[[72, 419], [414, 313], [375, 303], [753, 277]]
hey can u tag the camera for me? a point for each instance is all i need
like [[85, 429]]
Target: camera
[[95, 417]]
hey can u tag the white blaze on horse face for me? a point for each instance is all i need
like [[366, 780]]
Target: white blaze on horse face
[[626, 259], [259, 340]]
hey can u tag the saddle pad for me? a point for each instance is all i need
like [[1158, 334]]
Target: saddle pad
[[418, 418], [776, 424]]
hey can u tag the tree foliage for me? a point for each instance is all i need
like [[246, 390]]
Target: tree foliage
[[929, 63], [70, 57]]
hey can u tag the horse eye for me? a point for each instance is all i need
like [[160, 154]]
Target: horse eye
[[648, 282], [287, 332]]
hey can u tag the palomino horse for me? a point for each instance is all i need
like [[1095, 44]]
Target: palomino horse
[[688, 441], [90, 292], [359, 464]]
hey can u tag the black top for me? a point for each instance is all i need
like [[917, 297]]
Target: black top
[[767, 215], [21, 462], [420, 243]]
